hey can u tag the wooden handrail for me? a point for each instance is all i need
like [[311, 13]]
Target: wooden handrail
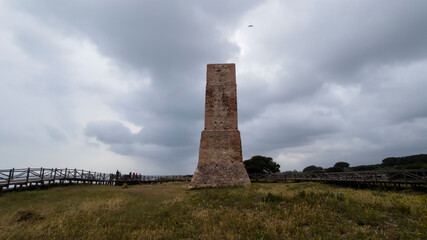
[[406, 177], [28, 176]]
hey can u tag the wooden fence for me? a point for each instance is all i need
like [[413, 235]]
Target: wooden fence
[[26, 178], [13, 179], [381, 178]]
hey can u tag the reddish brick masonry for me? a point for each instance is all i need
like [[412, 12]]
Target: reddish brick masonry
[[220, 153]]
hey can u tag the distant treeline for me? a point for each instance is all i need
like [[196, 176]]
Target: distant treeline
[[408, 162]]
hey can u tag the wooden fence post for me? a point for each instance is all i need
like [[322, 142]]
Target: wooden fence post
[[9, 178], [42, 176], [28, 176], [376, 179], [404, 177], [54, 176], [388, 176], [65, 175], [424, 176]]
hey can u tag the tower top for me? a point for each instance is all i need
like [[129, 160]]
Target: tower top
[[221, 74], [221, 97]]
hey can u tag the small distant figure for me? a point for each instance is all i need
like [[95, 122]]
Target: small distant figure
[[251, 25]]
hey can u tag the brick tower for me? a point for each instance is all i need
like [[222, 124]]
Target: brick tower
[[220, 153]]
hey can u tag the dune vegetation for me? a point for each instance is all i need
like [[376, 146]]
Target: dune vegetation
[[170, 211]]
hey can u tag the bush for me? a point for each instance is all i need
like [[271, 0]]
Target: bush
[[260, 165], [342, 165], [335, 169], [408, 160], [272, 198], [365, 168], [312, 168]]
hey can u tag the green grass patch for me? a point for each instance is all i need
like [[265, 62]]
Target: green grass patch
[[170, 211]]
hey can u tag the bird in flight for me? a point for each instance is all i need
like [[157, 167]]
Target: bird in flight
[[251, 25]]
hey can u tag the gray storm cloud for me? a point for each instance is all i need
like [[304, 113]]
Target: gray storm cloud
[[317, 82]]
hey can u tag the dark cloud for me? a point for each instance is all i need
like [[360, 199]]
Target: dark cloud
[[343, 38], [158, 36], [110, 132], [166, 145], [287, 126], [171, 42], [317, 83]]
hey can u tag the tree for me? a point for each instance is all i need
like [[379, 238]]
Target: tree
[[312, 168], [407, 160], [365, 168], [334, 169], [260, 164], [342, 165], [391, 161]]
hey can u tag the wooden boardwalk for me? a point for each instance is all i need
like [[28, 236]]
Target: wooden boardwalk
[[26, 178], [380, 178]]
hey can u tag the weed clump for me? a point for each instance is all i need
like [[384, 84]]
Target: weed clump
[[272, 198], [27, 215], [340, 197]]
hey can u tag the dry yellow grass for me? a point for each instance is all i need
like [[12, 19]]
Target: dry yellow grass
[[169, 211]]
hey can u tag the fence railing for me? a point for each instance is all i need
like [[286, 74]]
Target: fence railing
[[19, 178], [414, 177], [26, 177]]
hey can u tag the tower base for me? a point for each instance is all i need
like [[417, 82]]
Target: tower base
[[220, 160]]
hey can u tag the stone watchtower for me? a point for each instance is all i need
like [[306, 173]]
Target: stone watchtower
[[220, 153]]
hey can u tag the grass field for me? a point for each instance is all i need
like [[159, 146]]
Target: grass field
[[169, 211]]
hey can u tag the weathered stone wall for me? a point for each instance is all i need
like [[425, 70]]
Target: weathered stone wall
[[220, 153]]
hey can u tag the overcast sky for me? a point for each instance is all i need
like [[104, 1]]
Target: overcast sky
[[106, 85]]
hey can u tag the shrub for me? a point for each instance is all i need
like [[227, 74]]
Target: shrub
[[260, 164], [312, 168]]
